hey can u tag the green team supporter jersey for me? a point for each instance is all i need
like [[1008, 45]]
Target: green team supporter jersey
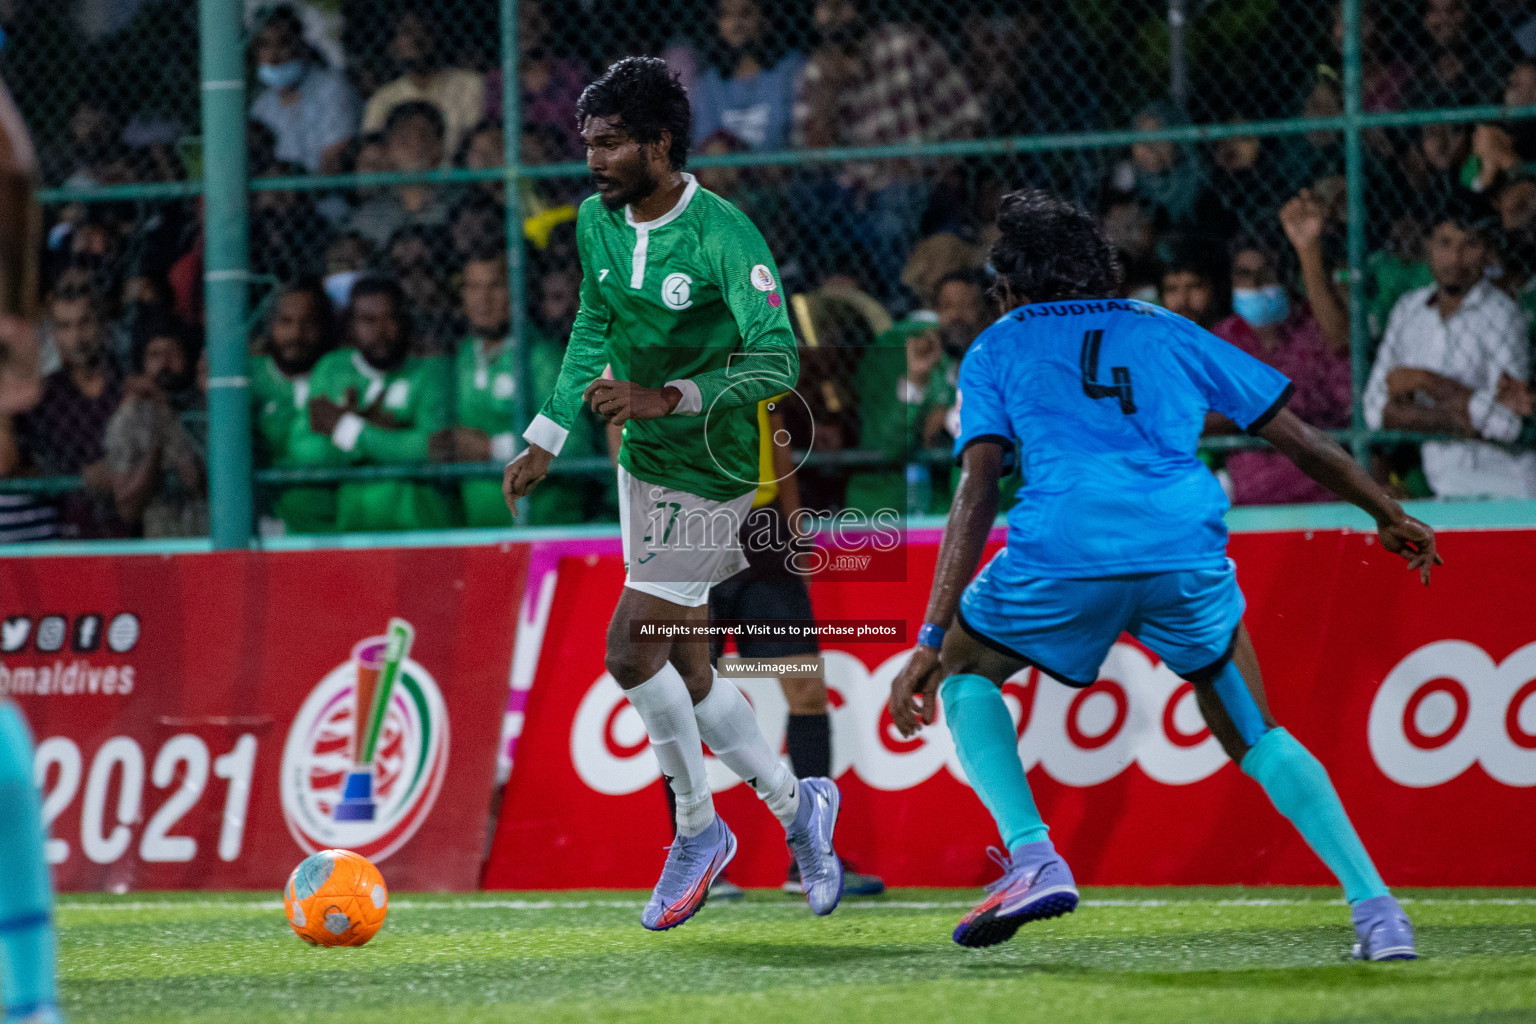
[[417, 396], [485, 392], [278, 404], [276, 400], [691, 298]]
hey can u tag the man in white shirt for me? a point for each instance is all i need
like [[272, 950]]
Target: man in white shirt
[[311, 109], [1456, 360]]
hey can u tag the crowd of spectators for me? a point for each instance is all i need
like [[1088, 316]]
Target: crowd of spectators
[[384, 335]]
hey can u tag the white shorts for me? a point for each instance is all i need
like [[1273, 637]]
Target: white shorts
[[676, 544]]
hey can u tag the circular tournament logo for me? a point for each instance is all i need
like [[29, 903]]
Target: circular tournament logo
[[366, 754], [677, 291]]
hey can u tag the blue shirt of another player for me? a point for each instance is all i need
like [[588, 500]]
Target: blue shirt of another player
[[1106, 399]]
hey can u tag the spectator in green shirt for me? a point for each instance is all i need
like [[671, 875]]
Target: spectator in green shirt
[[376, 404], [485, 400], [906, 395], [300, 329]]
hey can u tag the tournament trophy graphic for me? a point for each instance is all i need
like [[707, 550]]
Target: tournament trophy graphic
[[378, 665]]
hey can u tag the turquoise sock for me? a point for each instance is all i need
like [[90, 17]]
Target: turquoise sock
[[26, 926], [989, 752], [1300, 789]]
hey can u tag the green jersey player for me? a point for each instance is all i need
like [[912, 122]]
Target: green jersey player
[[299, 332], [680, 299], [376, 404], [486, 372]]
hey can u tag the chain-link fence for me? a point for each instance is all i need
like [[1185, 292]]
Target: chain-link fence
[[1353, 203]]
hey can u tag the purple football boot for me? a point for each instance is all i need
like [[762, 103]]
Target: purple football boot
[[1036, 884]]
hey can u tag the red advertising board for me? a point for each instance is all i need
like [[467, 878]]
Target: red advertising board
[[197, 716], [1421, 703]]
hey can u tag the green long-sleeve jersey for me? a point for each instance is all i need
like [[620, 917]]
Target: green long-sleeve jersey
[[417, 395], [691, 299], [276, 401], [485, 393], [279, 405]]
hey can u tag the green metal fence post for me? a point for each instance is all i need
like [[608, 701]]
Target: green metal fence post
[[1354, 171], [517, 278], [225, 271]]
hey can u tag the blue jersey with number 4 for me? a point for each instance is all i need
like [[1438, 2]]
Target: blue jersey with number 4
[[1105, 400]]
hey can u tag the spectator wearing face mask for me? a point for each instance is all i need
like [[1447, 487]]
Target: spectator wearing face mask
[[310, 108], [159, 481], [1167, 178], [1306, 339]]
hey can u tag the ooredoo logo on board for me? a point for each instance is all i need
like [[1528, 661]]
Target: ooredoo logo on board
[[1139, 712], [1443, 708], [1447, 706]]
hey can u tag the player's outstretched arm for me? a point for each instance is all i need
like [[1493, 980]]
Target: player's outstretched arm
[[965, 537], [1324, 461]]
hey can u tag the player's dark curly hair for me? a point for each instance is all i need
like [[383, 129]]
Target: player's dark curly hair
[[648, 99], [1052, 250]]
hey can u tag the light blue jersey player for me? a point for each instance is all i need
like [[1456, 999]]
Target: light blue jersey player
[[1118, 527]]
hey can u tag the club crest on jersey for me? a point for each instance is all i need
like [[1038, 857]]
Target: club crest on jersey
[[762, 279], [677, 291]]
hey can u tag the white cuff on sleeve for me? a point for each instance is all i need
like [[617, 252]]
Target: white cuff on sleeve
[[504, 446], [692, 402], [546, 433], [1490, 419], [347, 431]]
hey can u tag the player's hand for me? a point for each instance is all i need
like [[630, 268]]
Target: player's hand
[[619, 400], [1414, 541], [920, 677], [523, 474]]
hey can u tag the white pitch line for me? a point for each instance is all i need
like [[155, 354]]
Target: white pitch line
[[410, 904]]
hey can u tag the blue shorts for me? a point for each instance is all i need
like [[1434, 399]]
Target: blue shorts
[[1065, 627]]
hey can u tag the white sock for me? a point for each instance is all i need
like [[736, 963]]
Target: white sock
[[667, 711], [727, 724]]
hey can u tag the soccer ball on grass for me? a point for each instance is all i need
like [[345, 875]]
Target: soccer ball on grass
[[335, 898]]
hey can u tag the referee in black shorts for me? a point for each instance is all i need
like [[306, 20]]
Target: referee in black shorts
[[770, 588]]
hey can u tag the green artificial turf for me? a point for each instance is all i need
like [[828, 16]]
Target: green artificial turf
[[1125, 955]]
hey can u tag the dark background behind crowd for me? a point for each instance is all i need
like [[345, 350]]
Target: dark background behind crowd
[[383, 311]]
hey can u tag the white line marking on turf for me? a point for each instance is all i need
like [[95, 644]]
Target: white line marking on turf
[[414, 904]]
